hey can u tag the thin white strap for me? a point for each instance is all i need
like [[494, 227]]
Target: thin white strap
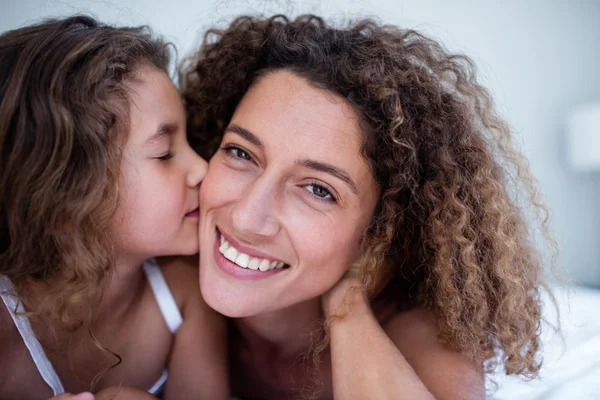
[[15, 309], [161, 381], [164, 297]]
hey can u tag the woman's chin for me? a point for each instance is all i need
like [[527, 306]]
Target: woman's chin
[[226, 304]]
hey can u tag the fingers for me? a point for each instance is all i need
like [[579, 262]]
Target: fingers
[[111, 393], [69, 396], [123, 393]]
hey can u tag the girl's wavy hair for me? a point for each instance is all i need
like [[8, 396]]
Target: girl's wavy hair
[[64, 114], [450, 233]]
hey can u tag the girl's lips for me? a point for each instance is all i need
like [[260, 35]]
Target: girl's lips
[[194, 213], [235, 270]]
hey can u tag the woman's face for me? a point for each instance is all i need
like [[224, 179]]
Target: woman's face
[[285, 201]]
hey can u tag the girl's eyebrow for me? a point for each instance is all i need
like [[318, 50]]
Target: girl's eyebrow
[[164, 130]]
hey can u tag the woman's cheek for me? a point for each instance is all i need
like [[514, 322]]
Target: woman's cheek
[[218, 184]]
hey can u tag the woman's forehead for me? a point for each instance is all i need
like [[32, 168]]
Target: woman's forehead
[[285, 107]]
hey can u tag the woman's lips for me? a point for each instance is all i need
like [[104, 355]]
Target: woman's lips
[[233, 269]]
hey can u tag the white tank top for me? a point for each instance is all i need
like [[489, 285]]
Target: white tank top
[[162, 293]]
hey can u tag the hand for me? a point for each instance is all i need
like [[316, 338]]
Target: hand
[[123, 393], [344, 296], [69, 396], [111, 393]]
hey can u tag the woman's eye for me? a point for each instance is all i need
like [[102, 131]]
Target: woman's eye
[[237, 152], [320, 192], [165, 157]]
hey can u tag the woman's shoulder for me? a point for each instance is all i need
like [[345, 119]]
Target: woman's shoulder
[[409, 327], [415, 334], [412, 327]]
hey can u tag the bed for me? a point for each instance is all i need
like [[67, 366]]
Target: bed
[[571, 368]]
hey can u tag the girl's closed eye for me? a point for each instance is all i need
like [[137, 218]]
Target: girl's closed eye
[[165, 157]]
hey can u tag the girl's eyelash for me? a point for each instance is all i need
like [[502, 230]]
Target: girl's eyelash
[[165, 157]]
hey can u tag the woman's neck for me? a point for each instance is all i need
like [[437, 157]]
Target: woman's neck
[[283, 334]]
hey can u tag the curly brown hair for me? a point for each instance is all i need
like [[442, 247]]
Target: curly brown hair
[[64, 113], [449, 233]]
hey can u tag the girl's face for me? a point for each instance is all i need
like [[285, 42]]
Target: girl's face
[[286, 199], [157, 213]]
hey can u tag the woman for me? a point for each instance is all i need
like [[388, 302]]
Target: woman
[[360, 176]]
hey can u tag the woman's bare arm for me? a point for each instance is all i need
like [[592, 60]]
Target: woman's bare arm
[[403, 360]]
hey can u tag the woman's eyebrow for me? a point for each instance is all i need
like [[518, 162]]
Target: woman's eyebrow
[[312, 164], [246, 134], [329, 169]]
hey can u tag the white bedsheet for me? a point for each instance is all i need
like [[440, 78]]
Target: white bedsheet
[[571, 368]]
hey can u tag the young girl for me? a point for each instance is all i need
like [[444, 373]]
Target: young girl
[[96, 179], [366, 146]]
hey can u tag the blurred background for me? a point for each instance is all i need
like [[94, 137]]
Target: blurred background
[[539, 58]]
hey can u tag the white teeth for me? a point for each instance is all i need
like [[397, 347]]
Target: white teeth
[[254, 262], [231, 254], [264, 265], [244, 260], [223, 248]]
